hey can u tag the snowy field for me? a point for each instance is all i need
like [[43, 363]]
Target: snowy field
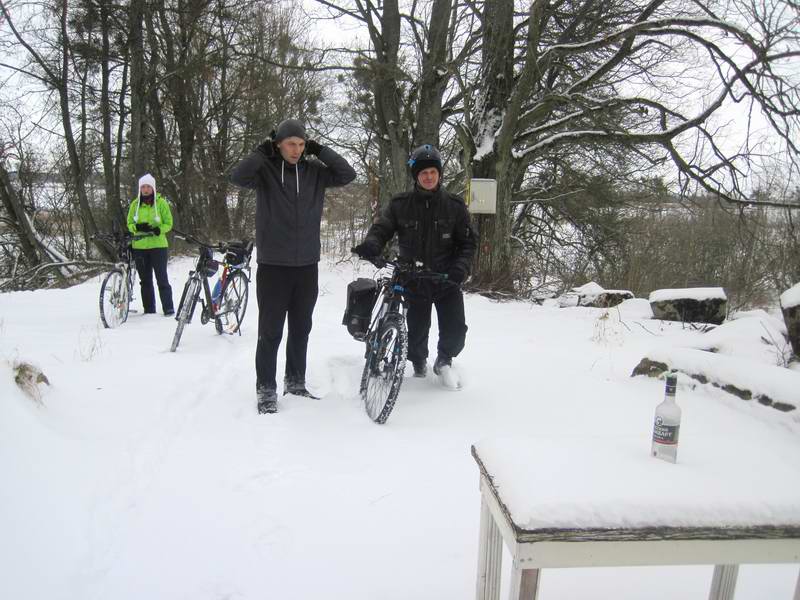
[[147, 474]]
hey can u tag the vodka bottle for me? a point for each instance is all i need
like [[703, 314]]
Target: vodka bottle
[[667, 424]]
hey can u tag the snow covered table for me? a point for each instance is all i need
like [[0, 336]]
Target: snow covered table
[[577, 502]]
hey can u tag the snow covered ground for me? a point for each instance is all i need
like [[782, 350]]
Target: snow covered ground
[[147, 474]]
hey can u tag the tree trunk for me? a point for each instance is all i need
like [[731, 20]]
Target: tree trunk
[[492, 266], [434, 76], [16, 210], [393, 136], [114, 211], [77, 173], [138, 87]]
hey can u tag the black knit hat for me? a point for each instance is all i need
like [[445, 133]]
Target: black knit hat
[[425, 157], [290, 128]]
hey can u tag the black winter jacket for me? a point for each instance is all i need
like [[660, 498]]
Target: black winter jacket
[[432, 227], [289, 202]]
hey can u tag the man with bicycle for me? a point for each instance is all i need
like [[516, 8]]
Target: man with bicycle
[[290, 190], [433, 227]]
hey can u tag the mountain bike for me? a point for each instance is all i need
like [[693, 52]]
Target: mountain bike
[[387, 337], [227, 303], [116, 291]]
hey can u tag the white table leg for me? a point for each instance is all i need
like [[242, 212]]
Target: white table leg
[[723, 584], [524, 584], [797, 589], [490, 556]]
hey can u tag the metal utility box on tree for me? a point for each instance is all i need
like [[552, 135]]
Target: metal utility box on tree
[[482, 196]]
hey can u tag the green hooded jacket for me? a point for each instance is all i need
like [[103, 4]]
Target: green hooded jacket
[[157, 215]]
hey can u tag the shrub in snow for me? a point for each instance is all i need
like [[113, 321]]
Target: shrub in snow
[[790, 305], [690, 305], [28, 377]]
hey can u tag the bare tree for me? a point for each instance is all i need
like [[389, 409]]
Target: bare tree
[[646, 80], [55, 71]]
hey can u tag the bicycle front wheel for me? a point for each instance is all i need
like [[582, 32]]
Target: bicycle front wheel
[[115, 301], [191, 291], [232, 303], [384, 367]]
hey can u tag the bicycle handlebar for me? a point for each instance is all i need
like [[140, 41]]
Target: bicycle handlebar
[[244, 245], [112, 238], [219, 246], [404, 267]]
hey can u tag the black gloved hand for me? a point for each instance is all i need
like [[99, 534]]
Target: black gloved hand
[[156, 230], [267, 147], [456, 274], [366, 250], [313, 147], [144, 228]]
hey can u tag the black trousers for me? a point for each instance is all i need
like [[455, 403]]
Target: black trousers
[[284, 292], [148, 261], [449, 302]]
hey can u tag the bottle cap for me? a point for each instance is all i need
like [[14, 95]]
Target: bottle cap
[[672, 382]]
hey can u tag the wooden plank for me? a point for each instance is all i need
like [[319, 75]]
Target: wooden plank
[[758, 532], [495, 570], [489, 557], [524, 584], [797, 589], [664, 552], [723, 583], [500, 517]]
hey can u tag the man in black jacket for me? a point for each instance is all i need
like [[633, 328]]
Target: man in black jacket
[[433, 227], [290, 191]]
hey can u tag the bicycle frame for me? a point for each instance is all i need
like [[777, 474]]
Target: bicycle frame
[[386, 339], [393, 293], [121, 242], [210, 310]]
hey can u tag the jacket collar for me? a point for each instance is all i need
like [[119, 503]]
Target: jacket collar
[[423, 194]]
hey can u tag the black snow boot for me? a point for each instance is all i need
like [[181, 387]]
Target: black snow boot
[[420, 368], [441, 361], [267, 400], [297, 387]]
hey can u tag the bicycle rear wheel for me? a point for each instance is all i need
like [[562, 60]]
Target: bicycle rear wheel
[[191, 291], [384, 367], [115, 301], [232, 303]]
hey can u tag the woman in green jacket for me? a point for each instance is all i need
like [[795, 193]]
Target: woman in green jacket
[[149, 220]]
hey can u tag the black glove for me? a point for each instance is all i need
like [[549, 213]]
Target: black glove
[[144, 228], [366, 250], [313, 147], [156, 230], [456, 274], [267, 147]]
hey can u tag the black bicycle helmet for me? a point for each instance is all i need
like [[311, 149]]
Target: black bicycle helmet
[[425, 157]]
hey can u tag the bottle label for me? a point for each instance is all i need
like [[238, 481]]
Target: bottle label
[[665, 434]]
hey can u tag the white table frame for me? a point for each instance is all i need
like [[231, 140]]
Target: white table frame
[[531, 551]]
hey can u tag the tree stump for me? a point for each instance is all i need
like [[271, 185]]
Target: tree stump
[[790, 306], [690, 305]]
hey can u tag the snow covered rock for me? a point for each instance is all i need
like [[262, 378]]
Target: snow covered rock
[[690, 305], [594, 295], [752, 334], [790, 305], [769, 385]]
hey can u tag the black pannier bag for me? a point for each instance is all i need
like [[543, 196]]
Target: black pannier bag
[[211, 265], [238, 253], [361, 296]]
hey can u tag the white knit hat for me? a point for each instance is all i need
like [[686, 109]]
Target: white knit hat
[[146, 179]]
